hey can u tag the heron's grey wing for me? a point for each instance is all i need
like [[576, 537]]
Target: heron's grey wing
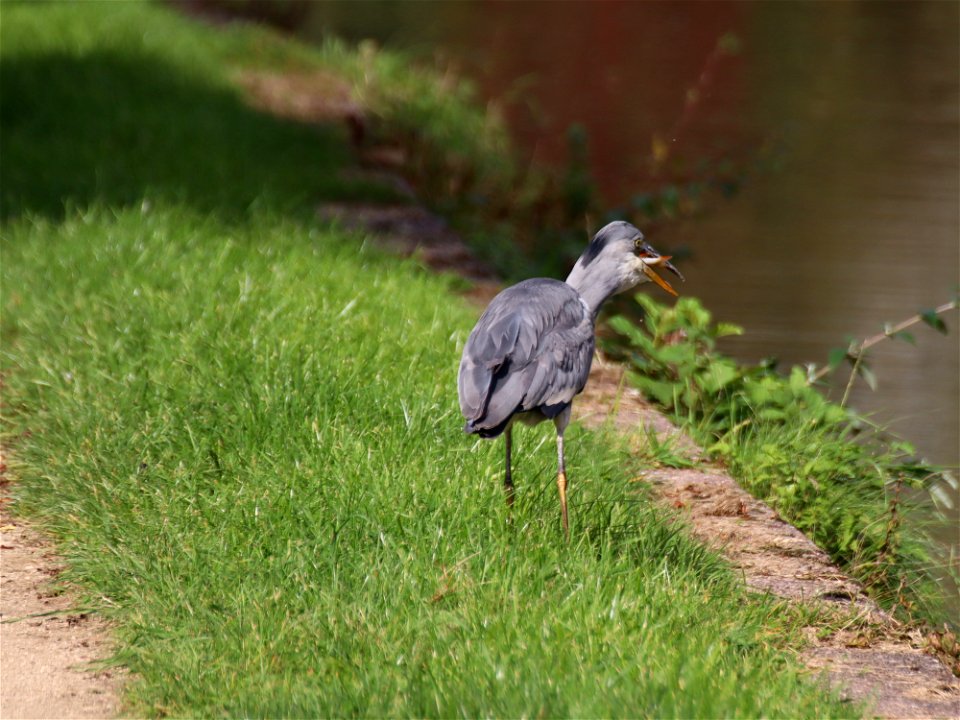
[[504, 336], [533, 346], [562, 367]]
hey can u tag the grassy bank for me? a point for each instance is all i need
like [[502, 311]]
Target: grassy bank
[[242, 426], [247, 440], [858, 493]]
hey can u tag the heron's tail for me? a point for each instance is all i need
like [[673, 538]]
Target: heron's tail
[[486, 432]]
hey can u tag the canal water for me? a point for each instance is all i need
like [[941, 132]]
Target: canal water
[[836, 123]]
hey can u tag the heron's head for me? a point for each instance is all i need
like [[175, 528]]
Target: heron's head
[[619, 251]]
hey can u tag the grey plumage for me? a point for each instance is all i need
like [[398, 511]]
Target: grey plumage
[[531, 350]]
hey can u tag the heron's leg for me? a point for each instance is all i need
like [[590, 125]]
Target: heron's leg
[[562, 486], [561, 422], [508, 477]]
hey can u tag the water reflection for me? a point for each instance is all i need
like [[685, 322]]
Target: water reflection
[[852, 219]]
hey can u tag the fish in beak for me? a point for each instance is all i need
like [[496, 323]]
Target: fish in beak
[[651, 259]]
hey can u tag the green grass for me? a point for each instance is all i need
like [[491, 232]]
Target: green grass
[[130, 110], [248, 440], [242, 429]]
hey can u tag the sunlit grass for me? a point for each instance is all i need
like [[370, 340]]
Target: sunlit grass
[[242, 429], [248, 438]]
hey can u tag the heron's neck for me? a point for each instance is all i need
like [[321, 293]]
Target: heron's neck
[[595, 286]]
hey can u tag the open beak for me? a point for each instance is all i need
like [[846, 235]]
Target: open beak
[[663, 260]]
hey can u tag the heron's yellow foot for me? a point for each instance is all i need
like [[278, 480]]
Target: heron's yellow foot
[[562, 487]]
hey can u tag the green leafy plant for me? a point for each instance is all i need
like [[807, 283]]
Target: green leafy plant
[[822, 466], [675, 356]]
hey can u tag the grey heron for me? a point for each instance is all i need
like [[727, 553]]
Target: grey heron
[[531, 350]]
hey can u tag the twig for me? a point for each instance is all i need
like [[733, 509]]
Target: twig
[[853, 375], [887, 333], [49, 613]]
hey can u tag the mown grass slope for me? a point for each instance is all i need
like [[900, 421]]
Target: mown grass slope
[[242, 428]]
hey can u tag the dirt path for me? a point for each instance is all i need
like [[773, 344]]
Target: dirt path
[[869, 656], [46, 645]]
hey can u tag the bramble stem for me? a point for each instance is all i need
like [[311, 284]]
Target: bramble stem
[[887, 333]]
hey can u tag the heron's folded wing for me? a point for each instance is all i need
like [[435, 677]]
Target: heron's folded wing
[[490, 352], [562, 368], [533, 346]]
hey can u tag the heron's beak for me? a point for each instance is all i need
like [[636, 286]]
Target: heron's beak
[[664, 260]]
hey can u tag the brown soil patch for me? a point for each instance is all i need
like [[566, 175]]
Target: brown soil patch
[[47, 646], [893, 680], [609, 398], [311, 97], [412, 231]]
